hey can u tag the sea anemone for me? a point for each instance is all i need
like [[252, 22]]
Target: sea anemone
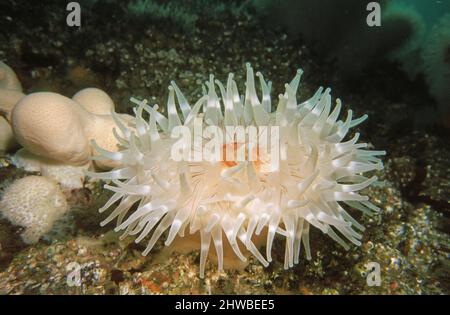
[[317, 178]]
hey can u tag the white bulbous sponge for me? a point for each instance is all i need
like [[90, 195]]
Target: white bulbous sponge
[[95, 101], [10, 94], [35, 203]]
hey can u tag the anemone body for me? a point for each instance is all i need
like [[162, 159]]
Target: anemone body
[[317, 179]]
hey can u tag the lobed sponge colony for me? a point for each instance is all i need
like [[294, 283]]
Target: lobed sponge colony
[[8, 78], [6, 136], [94, 101], [68, 176], [34, 203], [47, 124], [10, 94], [54, 127]]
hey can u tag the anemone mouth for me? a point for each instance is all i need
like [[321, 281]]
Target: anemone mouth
[[231, 157], [317, 178]]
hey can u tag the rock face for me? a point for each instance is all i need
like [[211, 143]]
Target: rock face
[[35, 203]]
